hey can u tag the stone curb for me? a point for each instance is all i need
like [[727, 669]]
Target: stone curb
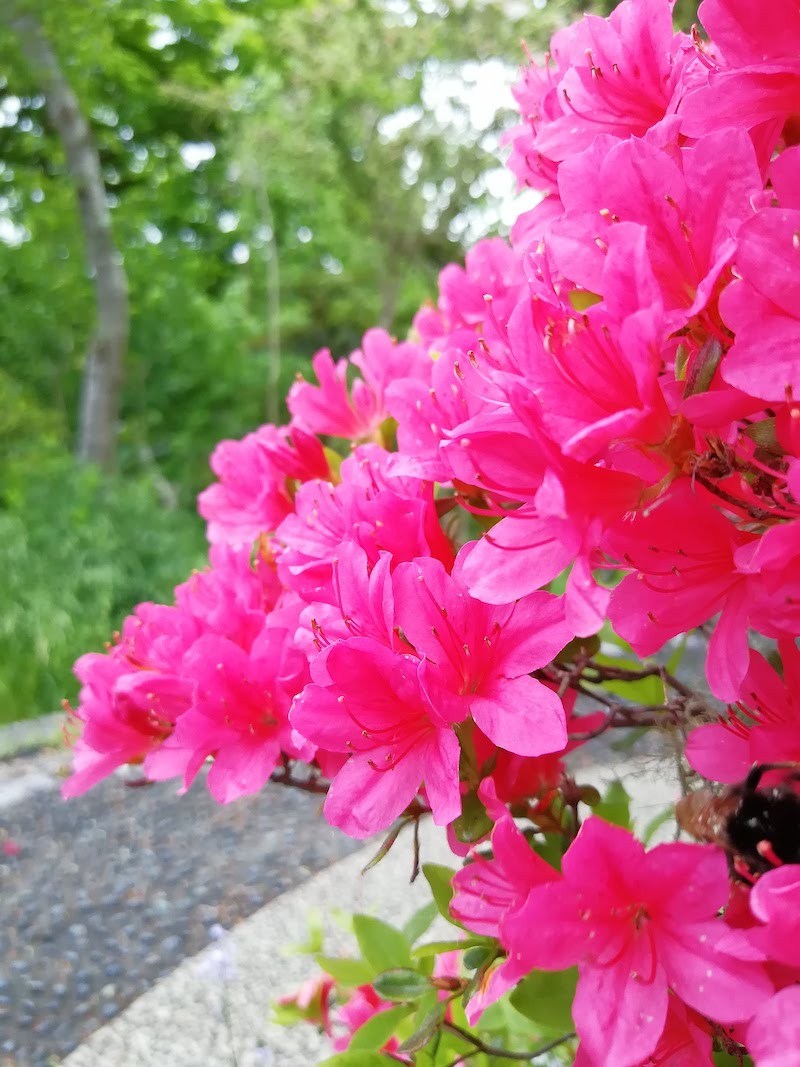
[[28, 735]]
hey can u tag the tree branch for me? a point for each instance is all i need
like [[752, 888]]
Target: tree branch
[[501, 1053], [314, 784]]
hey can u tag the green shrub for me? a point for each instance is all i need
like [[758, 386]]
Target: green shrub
[[77, 551]]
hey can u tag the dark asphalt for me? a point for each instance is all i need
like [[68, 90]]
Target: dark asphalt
[[111, 891]]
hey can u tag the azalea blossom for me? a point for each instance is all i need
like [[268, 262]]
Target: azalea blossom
[[477, 658], [768, 729], [637, 925], [373, 709]]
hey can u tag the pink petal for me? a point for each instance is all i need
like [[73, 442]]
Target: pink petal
[[714, 983], [620, 1010], [773, 1037], [718, 753], [362, 801], [728, 649], [521, 715]]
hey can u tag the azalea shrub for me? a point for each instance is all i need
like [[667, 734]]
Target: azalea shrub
[[474, 550]]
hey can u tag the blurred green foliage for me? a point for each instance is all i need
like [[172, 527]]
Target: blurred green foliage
[[77, 549]]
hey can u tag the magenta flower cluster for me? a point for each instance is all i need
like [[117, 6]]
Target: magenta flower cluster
[[608, 406]]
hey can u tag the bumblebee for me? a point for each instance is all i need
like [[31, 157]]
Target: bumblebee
[[758, 828]]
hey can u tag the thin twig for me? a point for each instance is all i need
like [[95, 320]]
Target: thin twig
[[504, 1054], [314, 784], [416, 867]]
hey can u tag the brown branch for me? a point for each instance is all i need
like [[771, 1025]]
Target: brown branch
[[501, 1053], [605, 672], [314, 784]]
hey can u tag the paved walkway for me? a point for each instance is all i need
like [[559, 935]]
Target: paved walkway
[[103, 895]]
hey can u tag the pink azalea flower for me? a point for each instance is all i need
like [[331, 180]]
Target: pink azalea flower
[[478, 658], [382, 360], [370, 705], [364, 605], [681, 581], [637, 925], [596, 379], [326, 408], [773, 1036], [757, 80], [762, 306], [769, 731], [565, 525], [313, 999], [131, 697], [495, 452], [239, 714], [685, 1042], [256, 478], [355, 415], [775, 902], [617, 76], [427, 410], [156, 637], [378, 511], [125, 714], [231, 598], [489, 890], [491, 269], [362, 1005], [690, 206], [515, 778]]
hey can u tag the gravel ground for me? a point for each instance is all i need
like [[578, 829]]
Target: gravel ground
[[109, 892]]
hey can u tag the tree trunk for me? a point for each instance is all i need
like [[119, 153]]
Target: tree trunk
[[102, 375], [273, 301]]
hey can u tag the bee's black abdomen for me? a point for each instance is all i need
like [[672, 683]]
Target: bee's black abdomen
[[771, 815]]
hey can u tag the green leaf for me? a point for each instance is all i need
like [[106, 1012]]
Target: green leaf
[[550, 848], [376, 1031], [381, 944], [316, 936], [436, 948], [546, 998], [615, 807], [439, 878], [649, 690], [386, 845], [348, 972], [426, 1057], [581, 299], [402, 984], [674, 660], [656, 823], [358, 1059], [419, 922], [476, 956], [629, 738], [473, 823], [579, 646], [425, 1030], [287, 1014]]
